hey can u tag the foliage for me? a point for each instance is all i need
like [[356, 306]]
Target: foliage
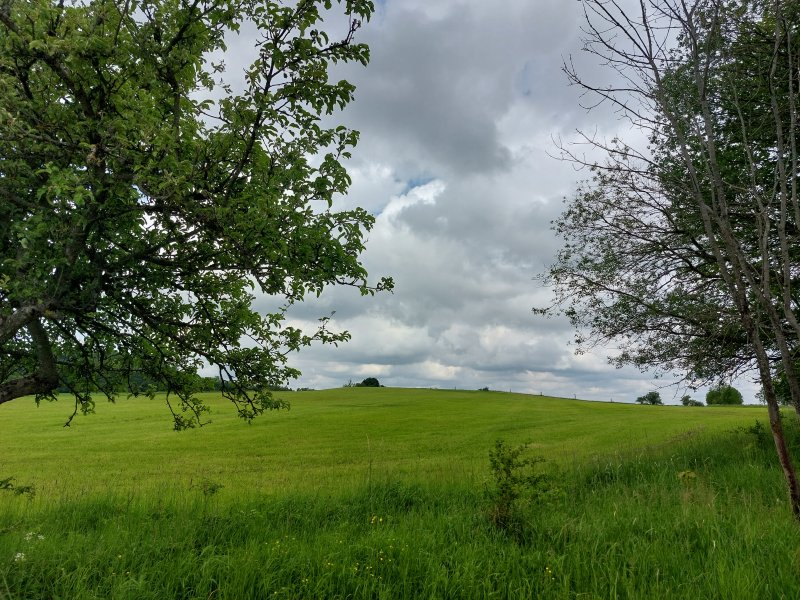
[[687, 400], [145, 198], [760, 435], [661, 245], [685, 252], [723, 394], [781, 387], [650, 398], [515, 485]]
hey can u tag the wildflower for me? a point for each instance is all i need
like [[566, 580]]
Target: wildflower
[[19, 557]]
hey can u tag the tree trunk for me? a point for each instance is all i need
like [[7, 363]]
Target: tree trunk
[[783, 451], [776, 426]]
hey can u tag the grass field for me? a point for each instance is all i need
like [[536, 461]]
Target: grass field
[[386, 493]]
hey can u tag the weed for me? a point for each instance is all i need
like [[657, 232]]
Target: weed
[[759, 432], [515, 485], [8, 485], [208, 487]]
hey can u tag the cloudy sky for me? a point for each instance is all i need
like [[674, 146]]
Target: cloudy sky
[[458, 112]]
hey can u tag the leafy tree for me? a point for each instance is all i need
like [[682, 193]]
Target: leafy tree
[[650, 398], [687, 400], [686, 253], [145, 199], [723, 394], [370, 382]]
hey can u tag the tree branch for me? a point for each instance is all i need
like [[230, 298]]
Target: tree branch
[[41, 381]]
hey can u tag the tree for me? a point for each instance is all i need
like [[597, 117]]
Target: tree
[[653, 398], [687, 400], [370, 382], [145, 197], [723, 394], [687, 252]]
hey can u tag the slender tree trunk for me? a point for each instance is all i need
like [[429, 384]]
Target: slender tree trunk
[[775, 424], [784, 457]]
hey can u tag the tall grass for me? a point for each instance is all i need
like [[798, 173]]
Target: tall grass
[[702, 515]]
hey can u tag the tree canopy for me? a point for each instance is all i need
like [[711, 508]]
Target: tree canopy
[[723, 394], [687, 400], [653, 398], [146, 195], [685, 253]]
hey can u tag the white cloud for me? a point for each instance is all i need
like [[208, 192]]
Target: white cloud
[[457, 112]]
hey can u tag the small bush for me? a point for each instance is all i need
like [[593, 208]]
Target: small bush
[[515, 485], [762, 436], [208, 487]]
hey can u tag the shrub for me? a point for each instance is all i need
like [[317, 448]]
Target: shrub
[[515, 485]]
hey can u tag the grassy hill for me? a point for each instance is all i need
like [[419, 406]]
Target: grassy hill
[[387, 493], [329, 440]]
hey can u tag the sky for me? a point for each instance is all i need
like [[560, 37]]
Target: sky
[[459, 112]]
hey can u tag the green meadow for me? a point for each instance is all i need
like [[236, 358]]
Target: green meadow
[[388, 493]]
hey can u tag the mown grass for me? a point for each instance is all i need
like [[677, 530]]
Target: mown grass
[[382, 494]]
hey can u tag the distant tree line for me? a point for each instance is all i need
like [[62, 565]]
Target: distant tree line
[[720, 394], [368, 382]]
